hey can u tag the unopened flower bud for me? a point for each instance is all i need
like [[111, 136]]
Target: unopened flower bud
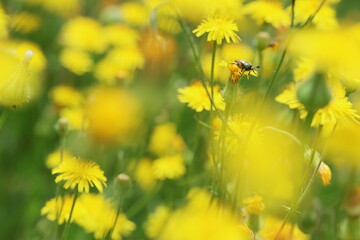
[[263, 40], [124, 182], [62, 126], [14, 91], [314, 93]]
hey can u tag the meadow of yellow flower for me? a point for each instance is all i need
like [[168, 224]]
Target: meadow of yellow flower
[[179, 119]]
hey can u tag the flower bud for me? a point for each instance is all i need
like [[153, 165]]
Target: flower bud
[[124, 182], [263, 40], [314, 93], [14, 91], [62, 126]]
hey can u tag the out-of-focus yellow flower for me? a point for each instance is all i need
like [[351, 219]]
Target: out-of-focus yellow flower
[[54, 158], [171, 167], [325, 18], [144, 174], [97, 215], [66, 96], [202, 218], [134, 14], [83, 33], [59, 209], [119, 35], [340, 63], [342, 146], [81, 174], [272, 12], [338, 111], [75, 60], [114, 115], [119, 63], [254, 205], [218, 28], [325, 173], [165, 141], [25, 22], [3, 23], [166, 19], [65, 8], [196, 97], [14, 91], [272, 225], [76, 117], [156, 221], [304, 69]]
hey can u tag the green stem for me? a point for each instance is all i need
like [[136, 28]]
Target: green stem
[[212, 71], [304, 188], [3, 117], [292, 13], [68, 222]]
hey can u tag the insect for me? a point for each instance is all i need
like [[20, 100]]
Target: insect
[[245, 66]]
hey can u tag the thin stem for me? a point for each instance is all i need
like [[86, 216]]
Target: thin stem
[[212, 70], [3, 117], [292, 13], [68, 222], [303, 188], [311, 18]]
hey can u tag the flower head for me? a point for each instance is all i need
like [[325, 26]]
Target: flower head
[[171, 167], [218, 27], [156, 221], [196, 97], [58, 209], [325, 173], [80, 173], [97, 215], [254, 205]]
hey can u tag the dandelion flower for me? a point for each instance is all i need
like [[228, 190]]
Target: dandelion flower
[[171, 167], [144, 174], [254, 205], [290, 231], [218, 28], [66, 96], [97, 215], [196, 97], [165, 141], [25, 22], [75, 60], [76, 117], [54, 158], [81, 174], [59, 209], [156, 221], [272, 12]]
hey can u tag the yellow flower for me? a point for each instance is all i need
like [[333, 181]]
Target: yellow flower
[[171, 167], [3, 23], [218, 27], [202, 218], [119, 35], [119, 63], [114, 115], [77, 61], [66, 96], [339, 110], [25, 22], [54, 159], [196, 97], [97, 215], [325, 18], [156, 221], [76, 117], [271, 226], [65, 8], [325, 173], [81, 174], [83, 33], [165, 141], [59, 209], [134, 14], [144, 174], [264, 11], [14, 91], [254, 205]]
